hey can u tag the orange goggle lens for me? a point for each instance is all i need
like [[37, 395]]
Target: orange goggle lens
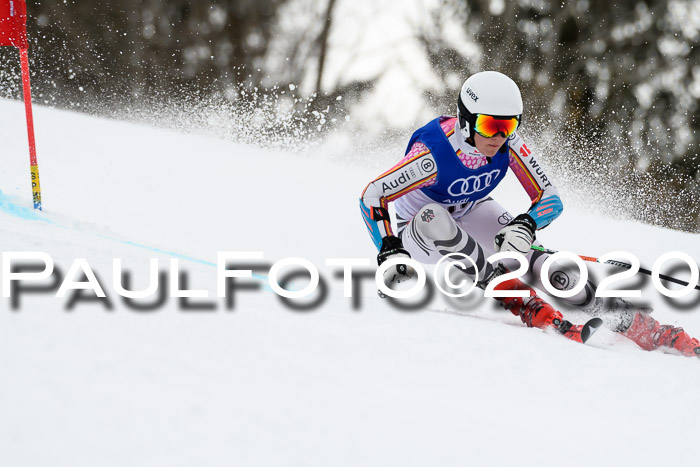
[[489, 126]]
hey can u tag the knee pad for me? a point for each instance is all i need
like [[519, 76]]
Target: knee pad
[[435, 223], [562, 277]]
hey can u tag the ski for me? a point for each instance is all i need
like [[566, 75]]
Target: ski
[[579, 332]]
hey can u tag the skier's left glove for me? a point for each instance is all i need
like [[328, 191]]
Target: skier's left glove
[[392, 248], [517, 236]]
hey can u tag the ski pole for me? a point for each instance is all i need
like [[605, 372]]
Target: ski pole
[[618, 264]]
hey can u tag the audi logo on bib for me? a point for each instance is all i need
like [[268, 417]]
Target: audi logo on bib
[[473, 184]]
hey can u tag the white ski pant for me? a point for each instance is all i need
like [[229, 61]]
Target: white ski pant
[[433, 233]]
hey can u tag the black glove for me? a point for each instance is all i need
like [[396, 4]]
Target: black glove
[[518, 235]]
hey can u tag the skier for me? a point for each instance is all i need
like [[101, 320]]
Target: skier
[[440, 190]]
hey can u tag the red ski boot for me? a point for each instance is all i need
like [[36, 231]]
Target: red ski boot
[[535, 312], [647, 333], [532, 310]]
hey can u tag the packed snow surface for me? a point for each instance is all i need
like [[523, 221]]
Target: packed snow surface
[[265, 385]]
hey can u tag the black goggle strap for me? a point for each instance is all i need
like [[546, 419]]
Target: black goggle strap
[[462, 115]]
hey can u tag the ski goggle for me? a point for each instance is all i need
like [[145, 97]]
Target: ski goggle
[[489, 126]]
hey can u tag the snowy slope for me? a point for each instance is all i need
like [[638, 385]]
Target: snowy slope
[[263, 385]]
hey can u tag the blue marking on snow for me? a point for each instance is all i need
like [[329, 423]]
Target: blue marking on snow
[[180, 256], [168, 253], [10, 206]]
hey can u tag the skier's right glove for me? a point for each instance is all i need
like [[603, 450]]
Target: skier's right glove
[[517, 236], [392, 248]]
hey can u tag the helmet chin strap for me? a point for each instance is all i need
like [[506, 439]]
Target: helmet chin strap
[[469, 139]]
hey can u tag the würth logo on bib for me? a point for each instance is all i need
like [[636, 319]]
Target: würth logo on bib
[[473, 184]]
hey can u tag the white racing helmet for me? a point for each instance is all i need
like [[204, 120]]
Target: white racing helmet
[[487, 93]]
